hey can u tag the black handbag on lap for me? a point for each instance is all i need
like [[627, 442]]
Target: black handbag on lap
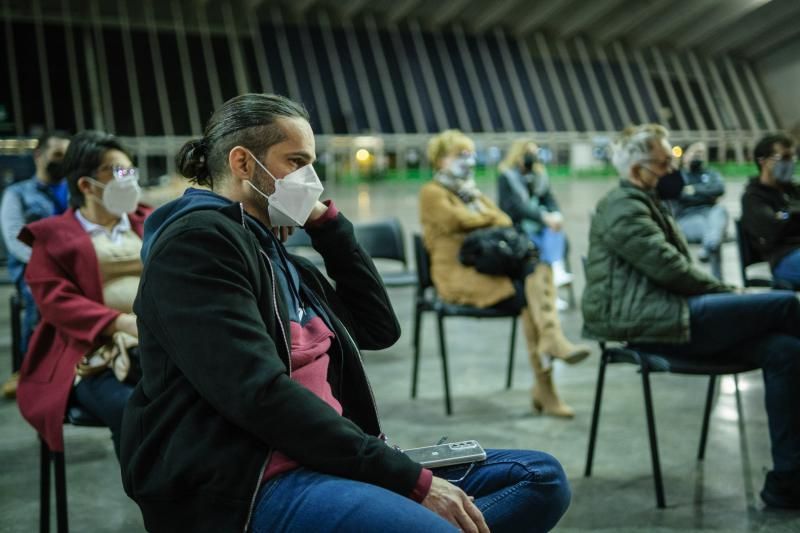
[[498, 251]]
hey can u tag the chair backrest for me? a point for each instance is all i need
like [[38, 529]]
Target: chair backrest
[[382, 239], [748, 255], [423, 263], [298, 239]]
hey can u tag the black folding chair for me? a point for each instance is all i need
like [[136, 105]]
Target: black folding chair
[[77, 417], [649, 363], [748, 256], [384, 240], [427, 300], [299, 242]]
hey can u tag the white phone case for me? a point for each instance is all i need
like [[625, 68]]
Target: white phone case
[[448, 454]]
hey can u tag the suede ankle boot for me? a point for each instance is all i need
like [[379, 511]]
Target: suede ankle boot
[[544, 398], [541, 296]]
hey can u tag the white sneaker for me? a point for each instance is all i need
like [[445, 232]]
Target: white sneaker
[[561, 304], [560, 275]]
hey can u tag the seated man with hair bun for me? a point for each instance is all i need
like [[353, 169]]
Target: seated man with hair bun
[[254, 412]]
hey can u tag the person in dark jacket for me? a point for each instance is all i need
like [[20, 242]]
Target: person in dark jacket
[[771, 208], [699, 214], [641, 288], [523, 192], [254, 412]]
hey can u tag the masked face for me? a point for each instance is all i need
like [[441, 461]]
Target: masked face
[[670, 185], [528, 161], [696, 166], [294, 196], [658, 172], [783, 170], [49, 159], [122, 193], [55, 170], [462, 167]]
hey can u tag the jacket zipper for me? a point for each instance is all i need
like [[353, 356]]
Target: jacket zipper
[[258, 486], [288, 366], [277, 314]]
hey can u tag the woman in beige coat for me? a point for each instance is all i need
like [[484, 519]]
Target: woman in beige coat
[[451, 206]]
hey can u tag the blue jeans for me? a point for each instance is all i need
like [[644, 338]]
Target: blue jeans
[[707, 226], [104, 397], [552, 245], [788, 269], [516, 490], [759, 328]]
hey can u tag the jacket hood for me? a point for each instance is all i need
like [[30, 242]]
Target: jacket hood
[[192, 200]]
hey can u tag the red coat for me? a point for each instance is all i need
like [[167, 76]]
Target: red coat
[[65, 280]]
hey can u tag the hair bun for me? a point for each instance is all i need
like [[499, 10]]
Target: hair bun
[[192, 161]]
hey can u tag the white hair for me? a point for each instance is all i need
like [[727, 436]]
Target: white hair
[[634, 146]]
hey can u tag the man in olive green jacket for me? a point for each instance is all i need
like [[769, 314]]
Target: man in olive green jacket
[[641, 288], [639, 273]]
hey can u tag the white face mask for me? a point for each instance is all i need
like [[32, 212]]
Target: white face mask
[[294, 197], [121, 194], [462, 167]]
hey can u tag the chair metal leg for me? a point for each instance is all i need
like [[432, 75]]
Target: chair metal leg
[[736, 387], [61, 493], [445, 375], [651, 430], [16, 333], [701, 452], [416, 340], [511, 350], [44, 487], [598, 398]]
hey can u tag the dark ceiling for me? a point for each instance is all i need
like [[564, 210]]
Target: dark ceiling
[[743, 28]]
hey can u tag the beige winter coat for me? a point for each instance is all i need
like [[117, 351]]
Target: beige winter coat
[[446, 220]]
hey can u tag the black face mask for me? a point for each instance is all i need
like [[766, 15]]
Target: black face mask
[[528, 161], [670, 185], [696, 166], [55, 170]]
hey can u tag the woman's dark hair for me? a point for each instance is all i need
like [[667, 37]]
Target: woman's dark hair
[[765, 145], [247, 120], [83, 158]]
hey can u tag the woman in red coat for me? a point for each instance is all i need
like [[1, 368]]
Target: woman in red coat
[[83, 274]]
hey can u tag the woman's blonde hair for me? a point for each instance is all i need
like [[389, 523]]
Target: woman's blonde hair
[[634, 145], [447, 143], [515, 155]]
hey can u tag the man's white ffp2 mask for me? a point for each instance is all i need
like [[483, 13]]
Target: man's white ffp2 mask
[[294, 197]]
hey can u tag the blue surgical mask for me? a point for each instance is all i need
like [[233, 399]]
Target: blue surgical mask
[[783, 171]]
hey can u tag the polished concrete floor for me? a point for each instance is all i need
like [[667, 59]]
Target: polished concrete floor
[[718, 494]]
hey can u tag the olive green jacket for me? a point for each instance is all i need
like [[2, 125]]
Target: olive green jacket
[[638, 272]]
